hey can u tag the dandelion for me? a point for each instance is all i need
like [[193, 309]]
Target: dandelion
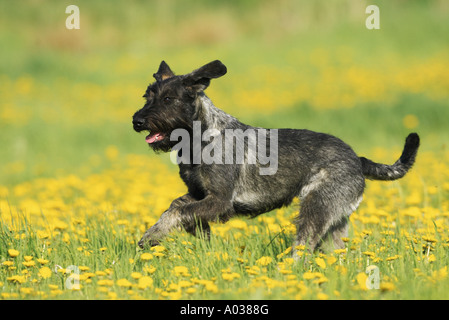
[[181, 271], [29, 263], [45, 272], [158, 248], [149, 269], [369, 254], [254, 270], [331, 260], [106, 282], [146, 256], [320, 262], [13, 253], [136, 275], [145, 282], [124, 283], [387, 286], [264, 261], [322, 296], [230, 276], [17, 279], [191, 290]]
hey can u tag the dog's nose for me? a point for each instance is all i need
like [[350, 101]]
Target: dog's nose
[[138, 123]]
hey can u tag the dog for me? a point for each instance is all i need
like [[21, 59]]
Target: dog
[[323, 171]]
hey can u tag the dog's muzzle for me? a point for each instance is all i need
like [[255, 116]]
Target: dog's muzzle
[[139, 124]]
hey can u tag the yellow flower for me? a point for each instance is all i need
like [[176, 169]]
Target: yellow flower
[[191, 290], [361, 280], [149, 269], [29, 263], [230, 276], [322, 296], [26, 290], [254, 270], [45, 272], [181, 271], [158, 254], [331, 260], [28, 258], [124, 283], [158, 248], [387, 286], [105, 282], [42, 261], [320, 262], [185, 284], [13, 253], [369, 254], [145, 282], [136, 275], [264, 261], [146, 256], [17, 279]]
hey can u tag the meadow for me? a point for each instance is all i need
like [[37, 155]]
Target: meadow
[[78, 187]]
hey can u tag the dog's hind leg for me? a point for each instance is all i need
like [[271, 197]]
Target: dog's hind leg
[[315, 218], [324, 216], [333, 238]]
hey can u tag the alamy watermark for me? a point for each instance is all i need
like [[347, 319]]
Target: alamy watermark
[[230, 146], [73, 20], [73, 280], [373, 20], [373, 279]]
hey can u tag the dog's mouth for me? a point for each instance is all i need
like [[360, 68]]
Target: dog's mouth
[[154, 137]]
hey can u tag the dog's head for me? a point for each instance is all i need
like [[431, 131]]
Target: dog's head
[[170, 102]]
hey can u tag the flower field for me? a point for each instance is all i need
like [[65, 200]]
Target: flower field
[[78, 187], [93, 223]]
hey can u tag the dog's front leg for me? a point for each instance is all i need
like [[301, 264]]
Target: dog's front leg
[[169, 221], [197, 215]]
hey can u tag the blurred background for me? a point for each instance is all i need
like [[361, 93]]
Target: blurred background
[[67, 96]]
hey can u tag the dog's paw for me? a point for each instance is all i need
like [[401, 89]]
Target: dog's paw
[[145, 242], [151, 237]]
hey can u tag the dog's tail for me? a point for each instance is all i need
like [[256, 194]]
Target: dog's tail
[[378, 171]]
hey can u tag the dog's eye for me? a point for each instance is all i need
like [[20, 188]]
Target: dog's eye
[[168, 100]]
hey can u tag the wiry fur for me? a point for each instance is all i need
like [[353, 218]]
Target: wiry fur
[[320, 169]]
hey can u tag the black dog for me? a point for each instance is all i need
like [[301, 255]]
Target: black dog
[[228, 179]]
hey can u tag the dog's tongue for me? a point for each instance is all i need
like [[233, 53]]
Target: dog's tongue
[[154, 137]]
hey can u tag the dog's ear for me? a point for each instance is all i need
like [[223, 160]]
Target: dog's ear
[[163, 73], [199, 79]]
